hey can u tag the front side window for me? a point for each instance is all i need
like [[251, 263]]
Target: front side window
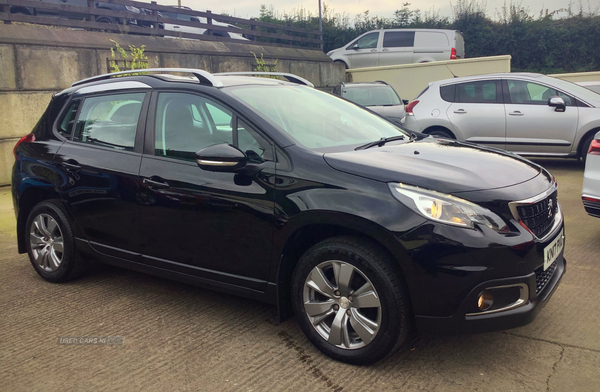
[[314, 119], [530, 93], [369, 41], [399, 39], [187, 123], [110, 120], [485, 91]]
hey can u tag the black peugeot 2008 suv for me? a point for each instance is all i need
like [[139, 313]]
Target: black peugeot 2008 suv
[[273, 190]]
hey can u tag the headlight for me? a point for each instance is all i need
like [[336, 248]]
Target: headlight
[[132, 9], [447, 208]]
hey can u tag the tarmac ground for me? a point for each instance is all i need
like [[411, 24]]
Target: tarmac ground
[[184, 338]]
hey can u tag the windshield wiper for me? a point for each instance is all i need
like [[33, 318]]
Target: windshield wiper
[[379, 142]]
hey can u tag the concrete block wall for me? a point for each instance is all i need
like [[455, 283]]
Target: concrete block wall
[[36, 62]]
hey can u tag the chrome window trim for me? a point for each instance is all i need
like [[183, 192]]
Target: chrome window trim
[[523, 299]]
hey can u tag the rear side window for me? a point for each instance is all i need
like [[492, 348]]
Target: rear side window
[[67, 124], [399, 39], [426, 39], [447, 93], [110, 120], [485, 91]]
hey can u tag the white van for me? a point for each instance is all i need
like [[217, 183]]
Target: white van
[[400, 46]]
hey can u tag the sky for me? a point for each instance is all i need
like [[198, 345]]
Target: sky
[[385, 8]]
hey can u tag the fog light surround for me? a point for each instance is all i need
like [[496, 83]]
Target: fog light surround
[[500, 298]]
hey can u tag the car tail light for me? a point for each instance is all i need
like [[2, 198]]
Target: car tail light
[[410, 107], [587, 198], [25, 139], [453, 54], [594, 147]]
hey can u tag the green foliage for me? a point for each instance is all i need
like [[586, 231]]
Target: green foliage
[[262, 66], [138, 59], [564, 40]]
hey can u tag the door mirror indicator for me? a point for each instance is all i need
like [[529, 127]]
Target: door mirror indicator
[[221, 158], [558, 103]]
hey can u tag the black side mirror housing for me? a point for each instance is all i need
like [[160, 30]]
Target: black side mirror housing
[[558, 103], [405, 101], [221, 158]]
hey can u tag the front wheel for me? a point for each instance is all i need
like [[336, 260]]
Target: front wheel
[[349, 301]]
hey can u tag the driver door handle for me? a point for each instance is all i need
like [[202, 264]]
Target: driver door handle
[[373, 50], [460, 111], [155, 183], [516, 113]]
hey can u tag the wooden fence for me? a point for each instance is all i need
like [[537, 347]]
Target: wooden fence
[[150, 21]]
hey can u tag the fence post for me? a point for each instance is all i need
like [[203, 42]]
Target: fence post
[[6, 8], [209, 22], [252, 27], [156, 29], [90, 5]]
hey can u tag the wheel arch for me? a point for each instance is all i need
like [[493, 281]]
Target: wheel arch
[[584, 138], [303, 236], [432, 128], [27, 200]]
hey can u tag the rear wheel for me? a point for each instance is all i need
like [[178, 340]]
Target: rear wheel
[[349, 302], [50, 244]]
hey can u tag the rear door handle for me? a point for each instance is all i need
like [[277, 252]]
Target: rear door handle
[[373, 50], [385, 50], [460, 111], [155, 182], [516, 113]]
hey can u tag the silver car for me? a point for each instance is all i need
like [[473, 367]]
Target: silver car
[[529, 114], [378, 96], [400, 46], [591, 179]]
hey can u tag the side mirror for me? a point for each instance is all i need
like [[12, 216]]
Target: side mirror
[[558, 103], [221, 158], [355, 47], [405, 101]]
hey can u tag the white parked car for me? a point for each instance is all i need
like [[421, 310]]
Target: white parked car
[[591, 179], [400, 46], [196, 30], [529, 114]]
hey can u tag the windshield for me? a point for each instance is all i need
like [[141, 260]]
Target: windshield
[[371, 95], [576, 89], [315, 119]]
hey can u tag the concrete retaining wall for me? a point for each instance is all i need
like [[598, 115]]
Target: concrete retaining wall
[[36, 62], [579, 77]]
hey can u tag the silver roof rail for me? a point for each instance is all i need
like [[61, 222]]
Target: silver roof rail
[[291, 77], [203, 76]]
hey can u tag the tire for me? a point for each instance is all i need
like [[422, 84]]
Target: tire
[[438, 132], [366, 268], [51, 245], [585, 146]]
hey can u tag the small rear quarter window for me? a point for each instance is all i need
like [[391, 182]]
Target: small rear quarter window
[[447, 93]]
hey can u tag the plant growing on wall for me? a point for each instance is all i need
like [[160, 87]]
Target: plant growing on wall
[[262, 66], [138, 59]]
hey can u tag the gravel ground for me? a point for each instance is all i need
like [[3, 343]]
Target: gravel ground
[[179, 337]]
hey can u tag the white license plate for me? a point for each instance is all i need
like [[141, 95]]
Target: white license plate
[[552, 251]]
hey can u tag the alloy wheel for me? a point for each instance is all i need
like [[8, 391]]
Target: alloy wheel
[[46, 240], [342, 304]]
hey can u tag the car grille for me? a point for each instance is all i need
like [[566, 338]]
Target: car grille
[[543, 277], [539, 217]]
